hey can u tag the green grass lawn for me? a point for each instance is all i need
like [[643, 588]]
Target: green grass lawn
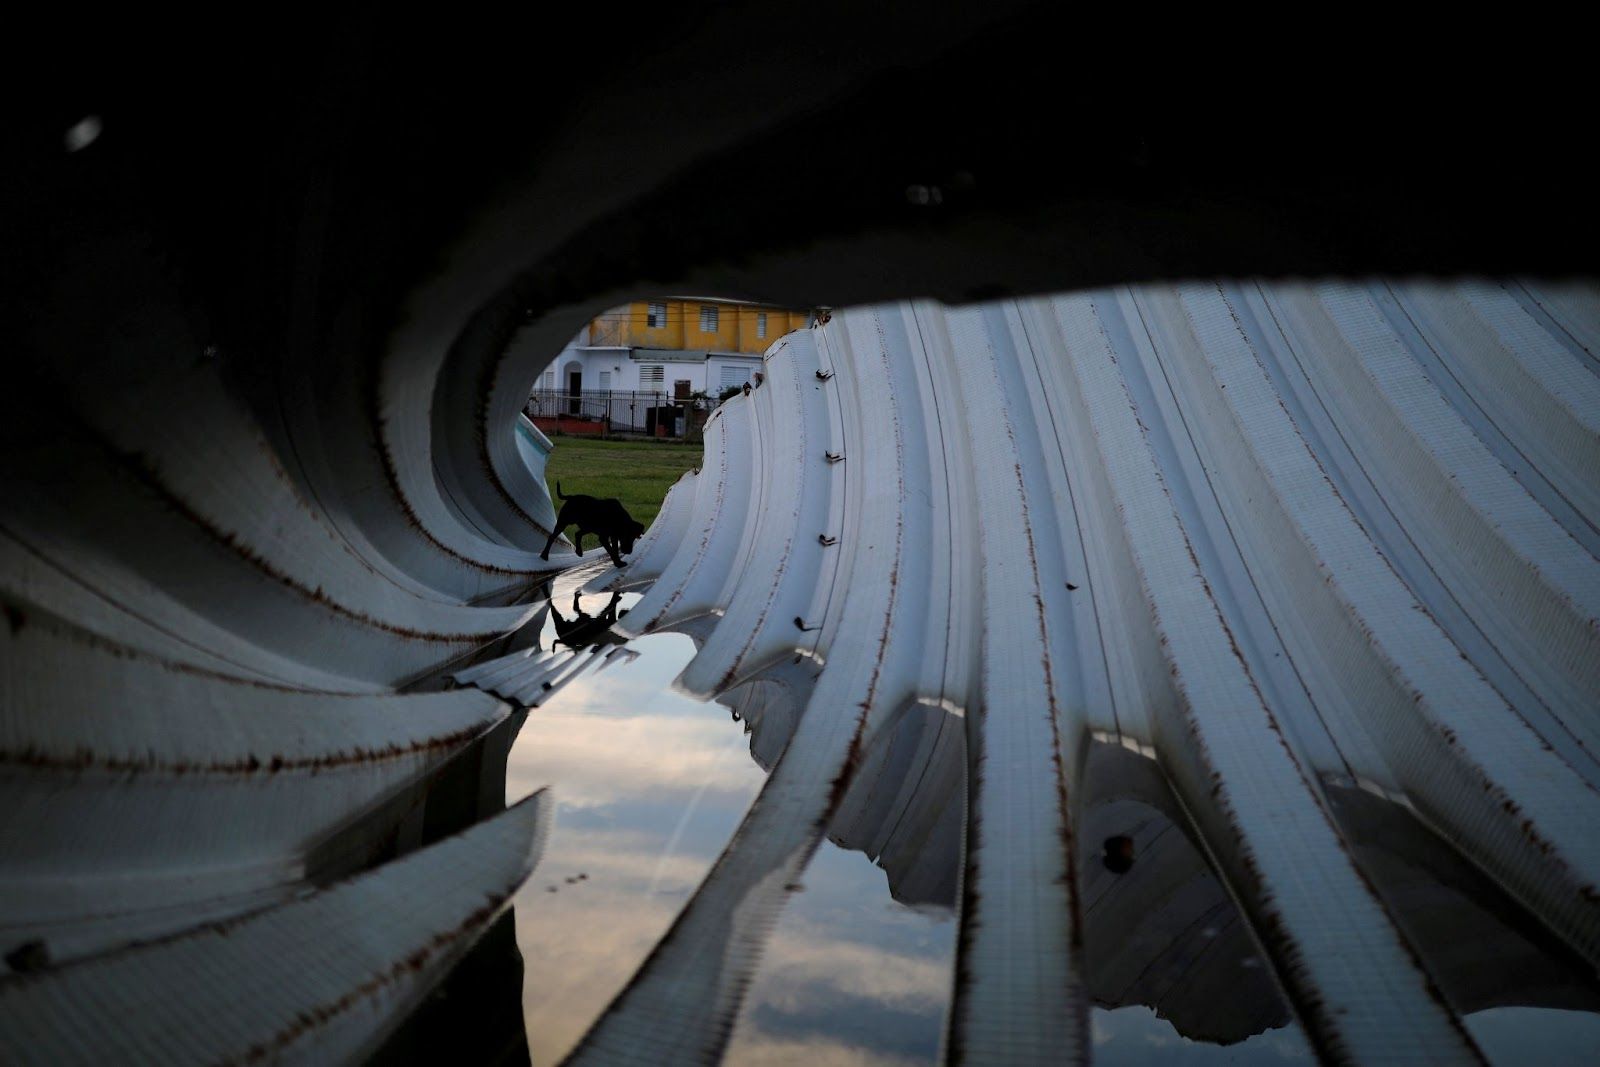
[[638, 473]]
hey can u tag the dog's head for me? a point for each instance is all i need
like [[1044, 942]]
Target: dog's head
[[634, 531]]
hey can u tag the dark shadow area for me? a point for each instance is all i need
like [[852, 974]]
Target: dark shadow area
[[1483, 948], [474, 1016]]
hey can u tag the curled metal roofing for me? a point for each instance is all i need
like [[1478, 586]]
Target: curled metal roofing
[[1287, 540], [1293, 587]]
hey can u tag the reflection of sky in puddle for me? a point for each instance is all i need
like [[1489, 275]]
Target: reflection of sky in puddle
[[849, 975], [650, 785]]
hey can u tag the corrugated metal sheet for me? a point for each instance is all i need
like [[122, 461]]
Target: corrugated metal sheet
[[1298, 552], [318, 979], [529, 678], [1287, 538]]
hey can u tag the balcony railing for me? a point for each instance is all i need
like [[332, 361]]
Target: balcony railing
[[656, 413]]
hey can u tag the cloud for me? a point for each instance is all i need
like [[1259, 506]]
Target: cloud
[[757, 1049], [817, 972], [592, 760]]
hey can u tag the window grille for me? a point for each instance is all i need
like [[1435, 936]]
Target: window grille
[[761, 324], [708, 320], [656, 317]]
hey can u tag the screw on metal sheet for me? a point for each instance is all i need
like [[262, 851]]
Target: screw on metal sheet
[[801, 625], [824, 539], [1071, 588], [824, 375], [834, 457]]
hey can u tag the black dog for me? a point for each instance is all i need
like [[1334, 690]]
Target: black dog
[[608, 520]]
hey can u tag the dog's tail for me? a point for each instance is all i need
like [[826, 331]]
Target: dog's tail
[[559, 493]]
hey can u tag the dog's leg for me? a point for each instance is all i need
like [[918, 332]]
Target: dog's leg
[[553, 535]]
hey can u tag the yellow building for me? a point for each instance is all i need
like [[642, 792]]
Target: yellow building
[[633, 360], [695, 324]]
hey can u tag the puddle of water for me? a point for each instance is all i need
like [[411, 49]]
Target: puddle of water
[[849, 975], [853, 973], [648, 787], [1136, 1035]]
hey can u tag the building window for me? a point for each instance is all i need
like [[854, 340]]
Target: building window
[[761, 324], [708, 320], [652, 376], [733, 376], [656, 317], [549, 379], [605, 381]]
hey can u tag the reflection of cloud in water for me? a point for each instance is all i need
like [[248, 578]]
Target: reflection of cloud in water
[[847, 969], [814, 1052], [594, 759], [625, 758]]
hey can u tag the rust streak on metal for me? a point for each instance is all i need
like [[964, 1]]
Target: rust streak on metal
[[86, 759]]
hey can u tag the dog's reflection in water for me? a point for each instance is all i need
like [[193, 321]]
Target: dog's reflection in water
[[583, 629]]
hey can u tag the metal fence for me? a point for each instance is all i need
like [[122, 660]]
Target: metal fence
[[622, 411]]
